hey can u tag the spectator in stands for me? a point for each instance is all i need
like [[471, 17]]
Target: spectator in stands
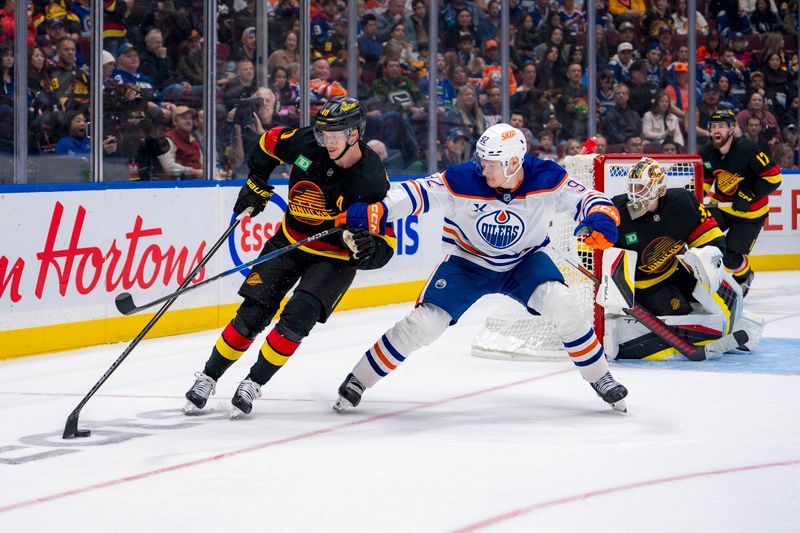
[[285, 56], [601, 44], [572, 17], [627, 9], [242, 86], [445, 90], [755, 108], [726, 99], [184, 158], [660, 124], [571, 116], [516, 118], [467, 115], [621, 63], [665, 43], [38, 80], [680, 20], [734, 19], [398, 48], [620, 122], [633, 145], [492, 72], [247, 45], [452, 8], [654, 72], [416, 22], [369, 46], [755, 134], [711, 51], [540, 11], [492, 107], [757, 86], [154, 61], [546, 27], [247, 132], [776, 81], [69, 83], [322, 87], [642, 92], [678, 90], [556, 40], [243, 19], [659, 12], [669, 147], [466, 51], [398, 93], [287, 95], [465, 25], [386, 21], [551, 70], [190, 64], [707, 107], [488, 25], [455, 149], [605, 92], [764, 19], [628, 34], [602, 144], [784, 156], [573, 147], [525, 39], [528, 78], [546, 147], [574, 82], [335, 47], [76, 141]]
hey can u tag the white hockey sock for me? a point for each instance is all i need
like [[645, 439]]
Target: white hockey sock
[[422, 326]]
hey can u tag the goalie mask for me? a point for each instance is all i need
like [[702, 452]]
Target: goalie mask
[[502, 143], [646, 183]]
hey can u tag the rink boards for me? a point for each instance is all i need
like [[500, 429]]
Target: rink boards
[[66, 251]]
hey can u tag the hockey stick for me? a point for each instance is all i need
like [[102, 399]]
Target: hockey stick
[[71, 427], [663, 331], [126, 306]]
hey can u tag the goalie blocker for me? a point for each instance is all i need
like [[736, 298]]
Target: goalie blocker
[[717, 312]]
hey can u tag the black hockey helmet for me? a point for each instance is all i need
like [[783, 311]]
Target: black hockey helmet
[[341, 113], [723, 115]]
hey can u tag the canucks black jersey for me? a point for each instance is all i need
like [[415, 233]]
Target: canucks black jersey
[[318, 188], [745, 166], [659, 237]]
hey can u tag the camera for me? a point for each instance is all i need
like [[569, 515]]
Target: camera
[[124, 101], [244, 110]]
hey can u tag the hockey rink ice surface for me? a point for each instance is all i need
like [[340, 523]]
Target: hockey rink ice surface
[[449, 442]]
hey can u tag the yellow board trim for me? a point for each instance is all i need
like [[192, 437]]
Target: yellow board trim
[[59, 337]]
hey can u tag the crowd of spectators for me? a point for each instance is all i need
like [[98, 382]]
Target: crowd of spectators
[[153, 76]]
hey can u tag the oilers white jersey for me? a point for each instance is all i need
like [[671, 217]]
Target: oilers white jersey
[[495, 228]]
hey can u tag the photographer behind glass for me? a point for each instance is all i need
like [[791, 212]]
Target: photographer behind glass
[[184, 158], [248, 121]]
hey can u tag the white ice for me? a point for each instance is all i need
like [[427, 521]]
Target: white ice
[[448, 442]]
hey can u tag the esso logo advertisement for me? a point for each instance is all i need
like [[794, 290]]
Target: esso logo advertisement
[[253, 233]]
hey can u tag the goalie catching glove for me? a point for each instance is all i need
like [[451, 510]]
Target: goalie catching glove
[[599, 226], [361, 244], [254, 194], [706, 266], [369, 217]]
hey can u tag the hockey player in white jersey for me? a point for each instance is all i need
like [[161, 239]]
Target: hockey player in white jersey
[[498, 208]]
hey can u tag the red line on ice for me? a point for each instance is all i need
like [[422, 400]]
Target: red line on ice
[[268, 444], [494, 520]]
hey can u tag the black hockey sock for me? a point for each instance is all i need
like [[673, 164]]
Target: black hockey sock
[[275, 352]]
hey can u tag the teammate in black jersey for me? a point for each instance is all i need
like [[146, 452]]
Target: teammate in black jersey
[[657, 223], [331, 169], [737, 173]]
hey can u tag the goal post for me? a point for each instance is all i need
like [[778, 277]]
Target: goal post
[[514, 333]]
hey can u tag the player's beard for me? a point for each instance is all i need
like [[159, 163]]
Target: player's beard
[[719, 139]]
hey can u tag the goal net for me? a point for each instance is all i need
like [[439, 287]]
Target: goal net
[[513, 333]]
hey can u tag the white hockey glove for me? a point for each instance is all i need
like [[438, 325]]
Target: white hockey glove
[[706, 265]]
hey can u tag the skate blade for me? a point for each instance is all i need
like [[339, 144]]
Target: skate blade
[[619, 406], [341, 404], [190, 409], [234, 412]]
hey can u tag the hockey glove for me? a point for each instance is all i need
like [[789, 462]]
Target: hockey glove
[[601, 224], [743, 200], [360, 242], [370, 217], [255, 193]]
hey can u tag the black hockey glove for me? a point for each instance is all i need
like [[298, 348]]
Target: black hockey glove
[[255, 193], [360, 242], [743, 200]]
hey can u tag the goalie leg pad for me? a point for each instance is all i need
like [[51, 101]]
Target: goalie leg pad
[[555, 303], [753, 324], [421, 327]]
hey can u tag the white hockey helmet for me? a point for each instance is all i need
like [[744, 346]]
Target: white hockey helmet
[[501, 142], [646, 183]]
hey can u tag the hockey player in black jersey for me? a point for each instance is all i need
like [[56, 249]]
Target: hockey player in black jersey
[[659, 223], [331, 169], [738, 178]]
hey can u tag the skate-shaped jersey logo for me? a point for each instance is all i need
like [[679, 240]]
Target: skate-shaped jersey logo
[[500, 229]]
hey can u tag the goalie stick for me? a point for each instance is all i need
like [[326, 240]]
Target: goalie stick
[[663, 331], [126, 306], [71, 427]]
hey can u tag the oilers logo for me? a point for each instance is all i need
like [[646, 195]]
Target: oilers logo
[[500, 229]]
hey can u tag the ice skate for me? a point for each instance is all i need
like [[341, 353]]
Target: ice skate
[[611, 392], [350, 392], [745, 284], [242, 402], [204, 386]]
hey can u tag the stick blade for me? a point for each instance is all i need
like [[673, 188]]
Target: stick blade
[[124, 303], [71, 427]]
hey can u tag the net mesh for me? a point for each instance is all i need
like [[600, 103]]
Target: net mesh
[[514, 333]]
